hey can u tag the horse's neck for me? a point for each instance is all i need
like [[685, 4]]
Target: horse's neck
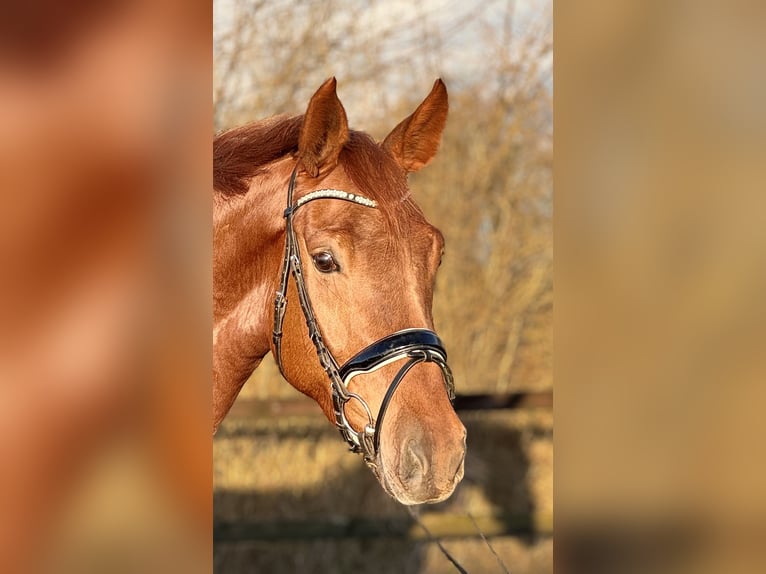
[[248, 241]]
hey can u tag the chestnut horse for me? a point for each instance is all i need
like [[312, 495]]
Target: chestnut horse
[[322, 216]]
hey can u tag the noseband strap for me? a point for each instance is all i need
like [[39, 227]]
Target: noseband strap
[[413, 345]]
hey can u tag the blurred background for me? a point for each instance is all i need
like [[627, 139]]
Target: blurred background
[[288, 496], [660, 235], [105, 286]]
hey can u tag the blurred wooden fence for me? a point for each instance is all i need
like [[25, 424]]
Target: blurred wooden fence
[[304, 407], [271, 416]]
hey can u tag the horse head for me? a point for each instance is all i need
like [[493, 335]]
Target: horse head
[[368, 260]]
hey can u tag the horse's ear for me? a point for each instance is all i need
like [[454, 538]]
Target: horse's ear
[[324, 131], [414, 142]]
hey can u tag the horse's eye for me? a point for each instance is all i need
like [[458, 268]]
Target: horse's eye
[[325, 262]]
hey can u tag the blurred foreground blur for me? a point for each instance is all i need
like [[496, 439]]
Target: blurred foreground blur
[[660, 276], [105, 287]]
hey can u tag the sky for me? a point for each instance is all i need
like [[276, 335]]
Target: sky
[[456, 20], [461, 28]]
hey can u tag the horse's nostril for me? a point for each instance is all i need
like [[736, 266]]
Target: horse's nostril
[[458, 466], [413, 463], [460, 453]]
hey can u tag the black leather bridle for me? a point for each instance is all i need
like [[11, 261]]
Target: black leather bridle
[[413, 345]]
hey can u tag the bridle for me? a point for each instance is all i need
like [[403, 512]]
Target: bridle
[[413, 345]]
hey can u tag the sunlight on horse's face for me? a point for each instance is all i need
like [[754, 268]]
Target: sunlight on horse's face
[[367, 281]]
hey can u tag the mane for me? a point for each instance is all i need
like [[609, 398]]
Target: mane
[[242, 153]]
